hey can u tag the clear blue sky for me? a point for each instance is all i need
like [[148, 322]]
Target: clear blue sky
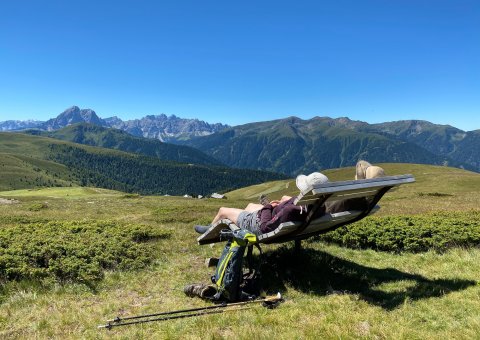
[[238, 62]]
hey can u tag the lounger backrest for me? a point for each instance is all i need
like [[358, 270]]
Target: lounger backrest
[[351, 189]]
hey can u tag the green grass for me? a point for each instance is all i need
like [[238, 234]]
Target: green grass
[[64, 193], [436, 188], [19, 171], [330, 291]]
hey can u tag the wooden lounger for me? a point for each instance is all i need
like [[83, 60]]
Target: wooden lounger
[[370, 189]]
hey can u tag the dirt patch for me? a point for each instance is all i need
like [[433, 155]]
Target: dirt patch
[[8, 201]]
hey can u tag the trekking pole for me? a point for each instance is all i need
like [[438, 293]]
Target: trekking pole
[[269, 302], [170, 317]]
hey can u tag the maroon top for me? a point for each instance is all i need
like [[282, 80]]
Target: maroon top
[[271, 218]]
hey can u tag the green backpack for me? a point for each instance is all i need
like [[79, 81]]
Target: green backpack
[[229, 272]]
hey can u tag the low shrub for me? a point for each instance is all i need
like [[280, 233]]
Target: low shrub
[[73, 251], [433, 194], [131, 196], [37, 206], [414, 233]]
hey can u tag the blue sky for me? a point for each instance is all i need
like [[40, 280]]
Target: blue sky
[[238, 62]]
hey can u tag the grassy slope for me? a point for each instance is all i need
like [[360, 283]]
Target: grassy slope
[[93, 135], [331, 292], [26, 154], [22, 163], [18, 171], [460, 186]]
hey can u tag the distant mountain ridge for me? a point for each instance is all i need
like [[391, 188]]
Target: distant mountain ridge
[[94, 135], [293, 145], [15, 125], [162, 127]]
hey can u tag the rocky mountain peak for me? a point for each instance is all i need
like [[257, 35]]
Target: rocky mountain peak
[[70, 116]]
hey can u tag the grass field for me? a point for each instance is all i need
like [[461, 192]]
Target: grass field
[[330, 291]]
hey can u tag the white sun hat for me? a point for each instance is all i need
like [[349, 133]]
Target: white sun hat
[[306, 183]]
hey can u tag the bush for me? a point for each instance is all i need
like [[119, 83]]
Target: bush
[[438, 231], [131, 196], [73, 251], [37, 206]]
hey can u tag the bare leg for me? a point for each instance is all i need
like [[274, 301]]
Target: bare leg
[[251, 207], [230, 213]]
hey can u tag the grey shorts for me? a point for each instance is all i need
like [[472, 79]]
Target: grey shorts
[[249, 221]]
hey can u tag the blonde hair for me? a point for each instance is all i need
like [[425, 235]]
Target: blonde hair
[[365, 170]]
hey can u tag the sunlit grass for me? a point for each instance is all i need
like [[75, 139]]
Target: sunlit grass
[[331, 292]]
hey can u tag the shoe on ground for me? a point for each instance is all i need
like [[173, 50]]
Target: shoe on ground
[[201, 229], [201, 290]]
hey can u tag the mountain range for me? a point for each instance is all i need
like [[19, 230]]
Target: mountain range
[[290, 146], [94, 135], [161, 127], [293, 145]]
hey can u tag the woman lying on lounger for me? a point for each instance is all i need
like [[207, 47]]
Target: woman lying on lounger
[[256, 218], [266, 217]]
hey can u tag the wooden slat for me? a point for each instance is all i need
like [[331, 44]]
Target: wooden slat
[[351, 187], [338, 196]]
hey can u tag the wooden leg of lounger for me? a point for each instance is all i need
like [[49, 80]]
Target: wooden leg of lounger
[[298, 245]]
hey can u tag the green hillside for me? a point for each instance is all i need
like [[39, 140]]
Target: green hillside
[[294, 145], [94, 135], [19, 171], [461, 146], [32, 161]]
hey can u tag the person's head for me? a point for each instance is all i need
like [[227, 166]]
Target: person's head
[[374, 172], [306, 183], [361, 169], [365, 170]]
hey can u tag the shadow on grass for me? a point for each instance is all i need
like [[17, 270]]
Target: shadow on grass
[[317, 272]]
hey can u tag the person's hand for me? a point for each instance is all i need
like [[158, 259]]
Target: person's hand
[[275, 203]]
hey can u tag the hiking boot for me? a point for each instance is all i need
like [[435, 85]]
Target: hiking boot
[[201, 229], [263, 199], [201, 290]]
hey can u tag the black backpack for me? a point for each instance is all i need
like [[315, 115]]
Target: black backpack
[[229, 275]]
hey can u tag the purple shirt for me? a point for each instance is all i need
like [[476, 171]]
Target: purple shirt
[[271, 218]]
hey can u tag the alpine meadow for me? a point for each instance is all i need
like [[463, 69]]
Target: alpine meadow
[[240, 170], [73, 257]]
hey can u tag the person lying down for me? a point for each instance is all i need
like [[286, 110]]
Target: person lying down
[[268, 215]]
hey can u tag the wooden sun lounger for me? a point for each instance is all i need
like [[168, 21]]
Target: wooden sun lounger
[[371, 189]]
